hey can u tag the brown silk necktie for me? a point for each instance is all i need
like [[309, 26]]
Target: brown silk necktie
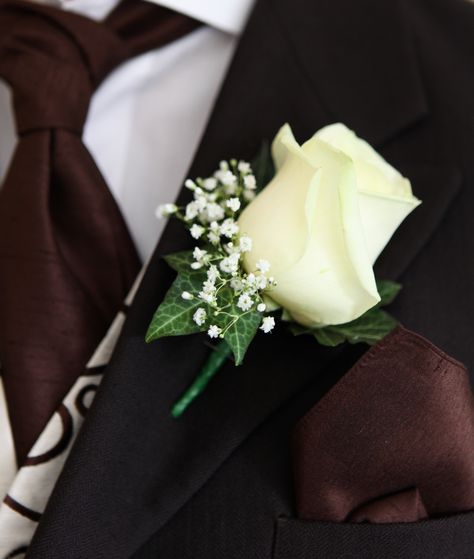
[[393, 441], [66, 257]]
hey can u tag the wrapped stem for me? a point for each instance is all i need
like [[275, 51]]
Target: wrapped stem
[[213, 364]]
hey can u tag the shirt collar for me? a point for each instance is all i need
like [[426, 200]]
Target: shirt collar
[[227, 15]]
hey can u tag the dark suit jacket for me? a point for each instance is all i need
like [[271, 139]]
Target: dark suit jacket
[[217, 483]]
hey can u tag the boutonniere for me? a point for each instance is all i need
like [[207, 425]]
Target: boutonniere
[[291, 237]]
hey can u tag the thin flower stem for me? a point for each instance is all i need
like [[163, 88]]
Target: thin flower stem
[[214, 362]]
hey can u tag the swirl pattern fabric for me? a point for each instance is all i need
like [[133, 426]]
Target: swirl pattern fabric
[[66, 257]]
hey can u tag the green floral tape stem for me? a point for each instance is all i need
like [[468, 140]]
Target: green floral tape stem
[[214, 362]]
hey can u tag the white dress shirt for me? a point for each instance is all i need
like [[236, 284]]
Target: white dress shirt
[[143, 127]]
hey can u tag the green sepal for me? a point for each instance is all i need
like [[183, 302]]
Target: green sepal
[[262, 166], [174, 317], [388, 290], [370, 328]]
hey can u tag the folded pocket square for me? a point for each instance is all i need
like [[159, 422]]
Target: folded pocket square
[[393, 441]]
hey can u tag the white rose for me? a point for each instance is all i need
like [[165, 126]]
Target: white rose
[[331, 208]]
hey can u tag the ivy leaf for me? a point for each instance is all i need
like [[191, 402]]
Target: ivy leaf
[[262, 166], [388, 290], [240, 334], [174, 317], [237, 333], [329, 336], [180, 261], [371, 327]]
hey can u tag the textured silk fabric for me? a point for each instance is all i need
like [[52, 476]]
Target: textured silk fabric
[[66, 257], [393, 441]]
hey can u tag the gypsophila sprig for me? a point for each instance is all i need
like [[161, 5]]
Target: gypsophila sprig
[[225, 301]]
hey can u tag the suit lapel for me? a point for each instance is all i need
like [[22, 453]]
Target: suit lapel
[[134, 466]]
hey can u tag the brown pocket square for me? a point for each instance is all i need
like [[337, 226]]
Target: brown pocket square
[[393, 441]]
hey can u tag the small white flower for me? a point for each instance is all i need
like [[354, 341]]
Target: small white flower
[[199, 254], [229, 228], [248, 195], [207, 297], [245, 302], [187, 296], [261, 282], [236, 284], [268, 323], [196, 231], [223, 166], [230, 264], [165, 210], [245, 244], [208, 287], [250, 183], [263, 266], [200, 316], [196, 265], [201, 203], [272, 281], [227, 178], [214, 212], [243, 167], [261, 307], [214, 238], [210, 183], [214, 331], [188, 183], [192, 210], [212, 273], [251, 282], [233, 204]]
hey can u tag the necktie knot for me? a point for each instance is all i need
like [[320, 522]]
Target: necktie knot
[[53, 61]]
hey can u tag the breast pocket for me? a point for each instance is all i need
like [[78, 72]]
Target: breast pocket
[[444, 538]]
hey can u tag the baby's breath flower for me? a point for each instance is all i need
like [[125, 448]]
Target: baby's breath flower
[[165, 210], [227, 178], [229, 228], [212, 273], [268, 323], [200, 316], [245, 244], [223, 166], [192, 210], [209, 298], [245, 302], [236, 284], [196, 231], [261, 307], [263, 266], [243, 167], [199, 254], [248, 195], [214, 238], [250, 183], [210, 183], [208, 287], [214, 331], [214, 212], [188, 183], [200, 203], [187, 296], [196, 265], [233, 204], [230, 264], [261, 282]]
